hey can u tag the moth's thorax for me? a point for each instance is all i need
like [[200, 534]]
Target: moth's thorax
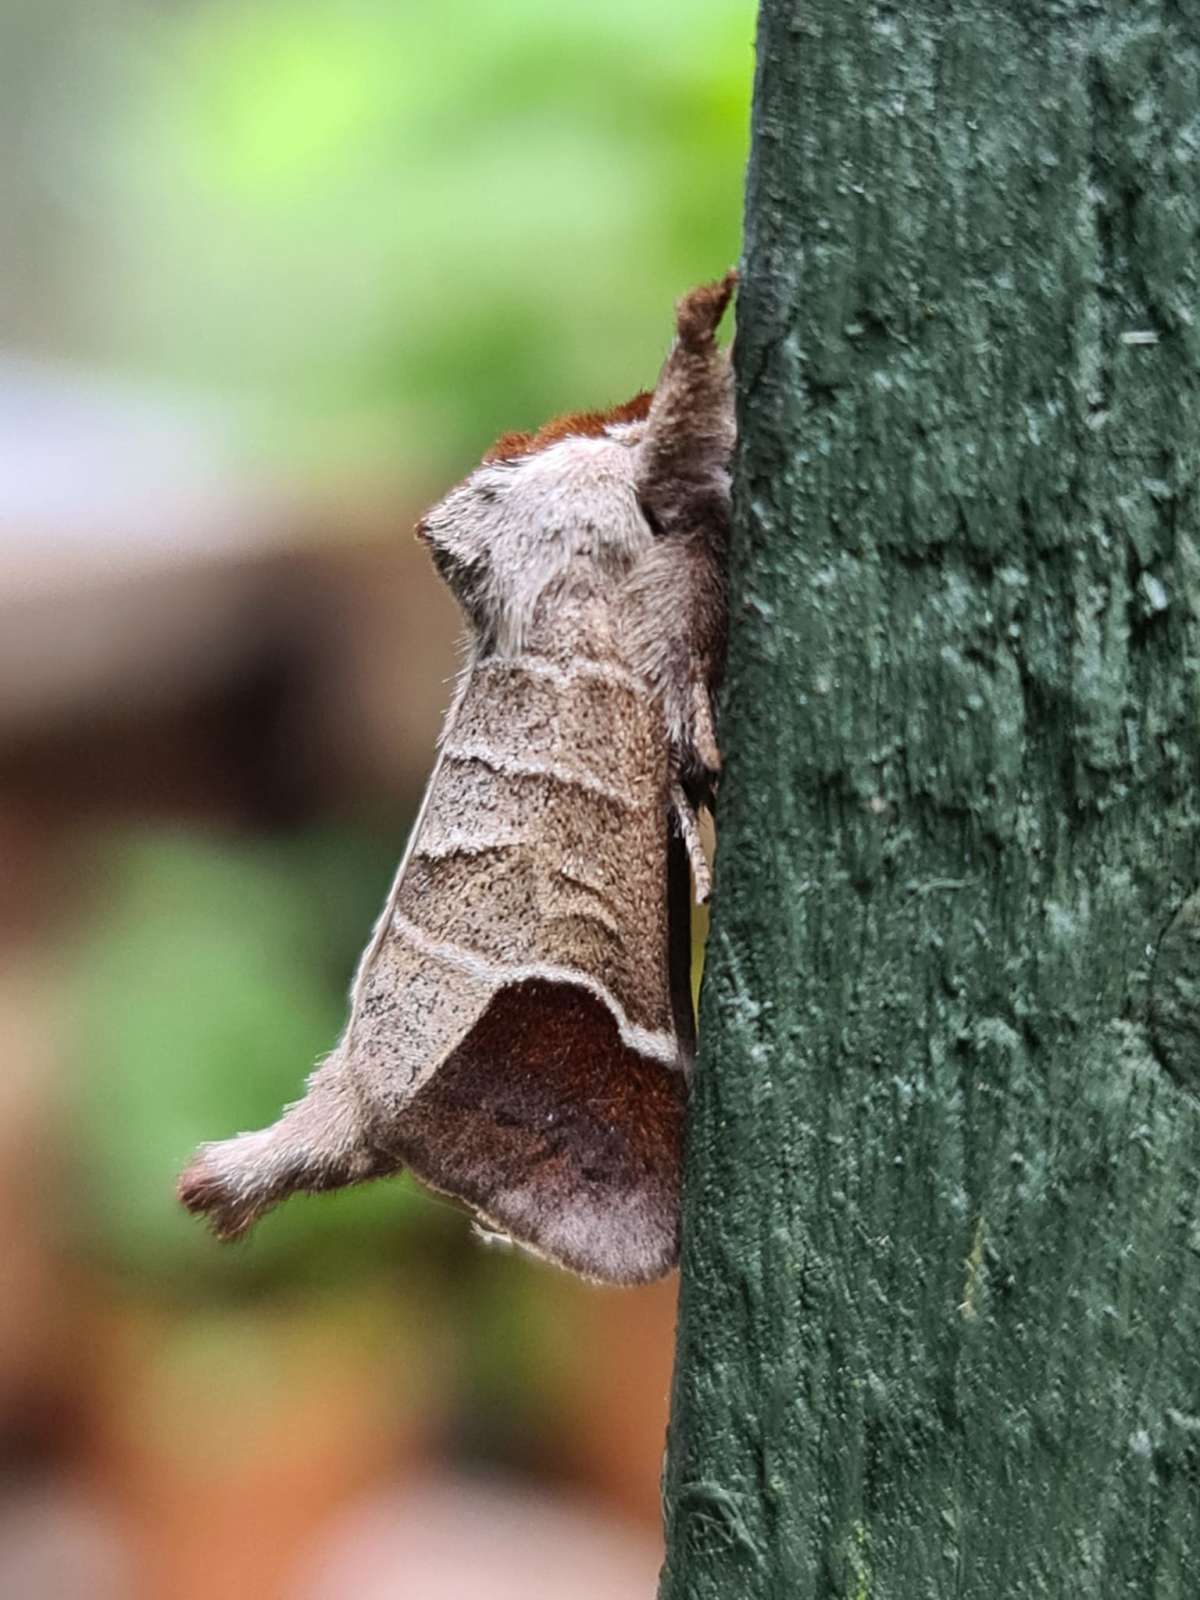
[[535, 538], [575, 618]]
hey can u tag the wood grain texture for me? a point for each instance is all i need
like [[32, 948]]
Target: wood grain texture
[[940, 1315]]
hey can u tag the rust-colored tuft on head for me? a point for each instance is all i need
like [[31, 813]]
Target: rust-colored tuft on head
[[575, 425]]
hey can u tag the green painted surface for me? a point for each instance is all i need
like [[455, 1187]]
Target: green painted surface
[[940, 1318]]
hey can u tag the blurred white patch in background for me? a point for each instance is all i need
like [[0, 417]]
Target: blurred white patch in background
[[55, 1545], [98, 476], [454, 1539], [120, 516]]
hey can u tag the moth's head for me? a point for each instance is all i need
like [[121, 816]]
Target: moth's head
[[535, 501]]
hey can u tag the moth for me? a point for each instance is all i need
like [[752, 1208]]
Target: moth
[[520, 1028]]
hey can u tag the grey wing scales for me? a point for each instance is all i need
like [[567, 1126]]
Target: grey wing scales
[[514, 1037]]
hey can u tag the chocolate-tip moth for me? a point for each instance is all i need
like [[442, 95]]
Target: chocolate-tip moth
[[520, 1026]]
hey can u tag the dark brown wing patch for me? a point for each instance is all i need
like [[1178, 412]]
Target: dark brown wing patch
[[557, 1132]]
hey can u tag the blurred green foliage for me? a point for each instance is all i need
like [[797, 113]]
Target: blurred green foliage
[[390, 231], [200, 1000]]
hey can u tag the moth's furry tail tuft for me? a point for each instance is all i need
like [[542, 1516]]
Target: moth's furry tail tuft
[[223, 1183], [699, 313], [317, 1144]]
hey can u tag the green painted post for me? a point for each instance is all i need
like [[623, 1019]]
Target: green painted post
[[940, 1310]]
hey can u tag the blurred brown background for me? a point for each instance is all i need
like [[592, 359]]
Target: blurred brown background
[[272, 275]]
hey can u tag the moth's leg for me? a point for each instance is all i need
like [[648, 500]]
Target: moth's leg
[[679, 922], [703, 729], [689, 831], [675, 604], [673, 610], [685, 452], [317, 1144]]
